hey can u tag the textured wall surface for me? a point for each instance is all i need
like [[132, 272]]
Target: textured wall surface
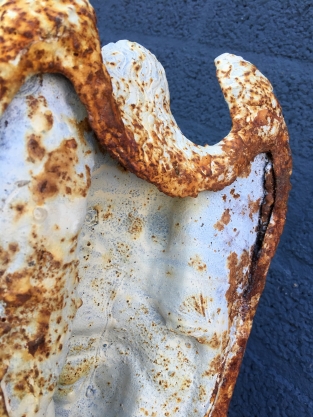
[[276, 377]]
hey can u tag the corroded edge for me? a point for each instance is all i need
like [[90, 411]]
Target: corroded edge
[[44, 38], [278, 188]]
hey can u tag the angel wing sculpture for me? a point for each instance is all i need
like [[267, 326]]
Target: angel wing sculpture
[[118, 297]]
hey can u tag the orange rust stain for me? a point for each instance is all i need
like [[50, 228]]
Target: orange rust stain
[[13, 247], [25, 326], [234, 194], [225, 219], [3, 410], [121, 168], [34, 344], [49, 119], [198, 303], [196, 263], [59, 176], [15, 288], [39, 113], [261, 118], [214, 395], [136, 225], [246, 171], [215, 366], [225, 339], [202, 393], [35, 104], [214, 342], [92, 83], [73, 372], [83, 126], [184, 176], [4, 328], [107, 215], [34, 148], [254, 207], [238, 277]]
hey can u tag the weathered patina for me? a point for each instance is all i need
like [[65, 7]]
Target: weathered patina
[[163, 284], [45, 171], [38, 283], [61, 36]]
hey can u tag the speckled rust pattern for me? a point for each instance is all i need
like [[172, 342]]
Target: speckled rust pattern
[[61, 36], [38, 257], [55, 36], [45, 37]]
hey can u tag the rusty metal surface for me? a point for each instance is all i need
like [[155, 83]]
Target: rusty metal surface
[[140, 89], [133, 122], [45, 167], [57, 36], [163, 284], [60, 36]]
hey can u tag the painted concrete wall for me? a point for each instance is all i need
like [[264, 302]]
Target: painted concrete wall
[[276, 377]]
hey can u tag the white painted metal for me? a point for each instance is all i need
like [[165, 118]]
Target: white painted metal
[[156, 325], [42, 146]]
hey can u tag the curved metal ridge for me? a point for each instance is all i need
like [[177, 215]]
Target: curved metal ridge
[[56, 36], [175, 165], [61, 36]]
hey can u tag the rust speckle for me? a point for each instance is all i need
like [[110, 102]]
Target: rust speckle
[[238, 278], [16, 288], [214, 342], [4, 328], [261, 118], [42, 31], [34, 149], [234, 194], [245, 171], [136, 225], [26, 326], [254, 207], [58, 176], [39, 114], [215, 366], [107, 215], [196, 263], [35, 105], [49, 119], [225, 339], [13, 247], [71, 143], [225, 219], [20, 209], [33, 345], [197, 303]]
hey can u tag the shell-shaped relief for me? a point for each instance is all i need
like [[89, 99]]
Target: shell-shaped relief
[[120, 293]]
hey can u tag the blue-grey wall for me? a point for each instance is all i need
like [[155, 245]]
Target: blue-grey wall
[[276, 377]]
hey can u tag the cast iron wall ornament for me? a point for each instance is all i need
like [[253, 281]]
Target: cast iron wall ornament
[[120, 294]]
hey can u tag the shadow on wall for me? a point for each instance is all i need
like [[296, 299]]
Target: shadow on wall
[[276, 377]]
